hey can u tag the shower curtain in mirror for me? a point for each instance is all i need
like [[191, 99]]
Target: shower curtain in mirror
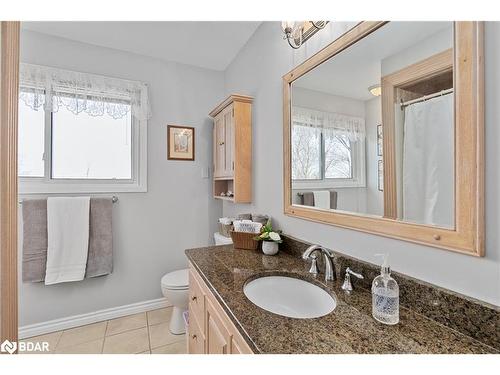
[[428, 162]]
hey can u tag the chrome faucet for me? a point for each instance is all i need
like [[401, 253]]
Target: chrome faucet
[[327, 255], [347, 285]]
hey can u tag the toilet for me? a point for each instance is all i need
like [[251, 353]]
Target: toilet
[[175, 288]]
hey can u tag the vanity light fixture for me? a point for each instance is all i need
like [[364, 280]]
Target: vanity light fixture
[[298, 32], [375, 90]]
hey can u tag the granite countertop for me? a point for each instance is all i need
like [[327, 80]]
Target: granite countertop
[[350, 328]]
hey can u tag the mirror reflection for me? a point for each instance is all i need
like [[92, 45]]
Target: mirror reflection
[[399, 81]]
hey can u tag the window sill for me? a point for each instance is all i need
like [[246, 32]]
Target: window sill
[[327, 185]]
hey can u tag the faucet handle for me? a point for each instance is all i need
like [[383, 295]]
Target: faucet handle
[[351, 272], [314, 265], [347, 285]]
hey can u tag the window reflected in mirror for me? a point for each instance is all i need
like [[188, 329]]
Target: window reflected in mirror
[[372, 128]]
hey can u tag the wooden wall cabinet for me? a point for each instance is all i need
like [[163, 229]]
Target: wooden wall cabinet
[[232, 148], [210, 329]]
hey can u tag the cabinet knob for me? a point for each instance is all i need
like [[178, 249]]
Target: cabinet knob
[[194, 337], [194, 298], [221, 143]]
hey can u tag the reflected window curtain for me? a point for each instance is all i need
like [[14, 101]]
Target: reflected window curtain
[[428, 162], [343, 125]]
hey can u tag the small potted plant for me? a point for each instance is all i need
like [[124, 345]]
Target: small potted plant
[[270, 239]]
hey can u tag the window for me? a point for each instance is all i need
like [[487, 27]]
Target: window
[[87, 147], [31, 140], [338, 156], [306, 153], [324, 152], [71, 142]]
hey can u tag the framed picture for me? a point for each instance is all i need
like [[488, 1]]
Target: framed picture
[[380, 175], [180, 142], [380, 141]]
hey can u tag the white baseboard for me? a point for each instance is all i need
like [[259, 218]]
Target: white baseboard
[[89, 318]]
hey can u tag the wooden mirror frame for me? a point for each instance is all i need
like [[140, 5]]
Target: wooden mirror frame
[[468, 235]]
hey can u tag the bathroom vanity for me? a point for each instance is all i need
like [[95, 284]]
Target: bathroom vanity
[[224, 321], [210, 329]]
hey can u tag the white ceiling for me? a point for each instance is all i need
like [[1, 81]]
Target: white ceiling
[[211, 45], [351, 72]]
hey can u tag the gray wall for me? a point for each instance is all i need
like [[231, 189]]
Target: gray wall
[[151, 230], [257, 71]]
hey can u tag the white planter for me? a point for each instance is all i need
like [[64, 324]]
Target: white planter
[[270, 247]]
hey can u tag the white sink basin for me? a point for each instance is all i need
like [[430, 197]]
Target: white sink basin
[[290, 297]]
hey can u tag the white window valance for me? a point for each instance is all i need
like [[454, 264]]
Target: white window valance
[[336, 123], [51, 88]]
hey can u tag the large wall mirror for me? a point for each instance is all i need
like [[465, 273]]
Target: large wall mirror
[[383, 133]]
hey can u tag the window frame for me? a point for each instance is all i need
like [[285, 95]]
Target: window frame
[[358, 170], [47, 184]]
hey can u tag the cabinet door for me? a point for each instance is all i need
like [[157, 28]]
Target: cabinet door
[[196, 300], [196, 340], [217, 335], [219, 146], [228, 115], [235, 347]]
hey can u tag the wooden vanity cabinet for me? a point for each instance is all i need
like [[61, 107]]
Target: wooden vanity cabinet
[[210, 329], [218, 338], [232, 148]]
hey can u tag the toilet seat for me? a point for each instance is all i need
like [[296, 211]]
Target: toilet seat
[[176, 280]]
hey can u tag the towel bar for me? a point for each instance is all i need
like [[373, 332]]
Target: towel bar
[[114, 199]]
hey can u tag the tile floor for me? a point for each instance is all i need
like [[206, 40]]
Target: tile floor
[[143, 333]]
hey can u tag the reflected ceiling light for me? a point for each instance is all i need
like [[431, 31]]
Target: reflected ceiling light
[[297, 32], [375, 90]]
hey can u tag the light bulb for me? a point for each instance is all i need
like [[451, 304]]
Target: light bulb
[[287, 25], [375, 90]]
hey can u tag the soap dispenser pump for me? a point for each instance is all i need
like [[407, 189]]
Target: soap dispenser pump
[[385, 295]]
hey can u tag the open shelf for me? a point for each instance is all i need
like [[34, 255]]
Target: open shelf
[[223, 186], [229, 199]]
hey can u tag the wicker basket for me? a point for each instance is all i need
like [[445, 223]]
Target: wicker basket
[[225, 229], [244, 240]]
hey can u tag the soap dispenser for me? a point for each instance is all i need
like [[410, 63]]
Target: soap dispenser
[[385, 295]]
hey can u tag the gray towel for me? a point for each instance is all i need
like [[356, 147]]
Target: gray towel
[[100, 258], [34, 240], [244, 217], [307, 199], [333, 199], [259, 218]]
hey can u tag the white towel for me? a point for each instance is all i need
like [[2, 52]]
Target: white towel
[[68, 239], [322, 199]]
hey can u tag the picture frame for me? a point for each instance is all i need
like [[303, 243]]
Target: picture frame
[[380, 140], [180, 143], [380, 174]]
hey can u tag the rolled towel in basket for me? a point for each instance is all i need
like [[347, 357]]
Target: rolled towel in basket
[[226, 220], [247, 226]]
